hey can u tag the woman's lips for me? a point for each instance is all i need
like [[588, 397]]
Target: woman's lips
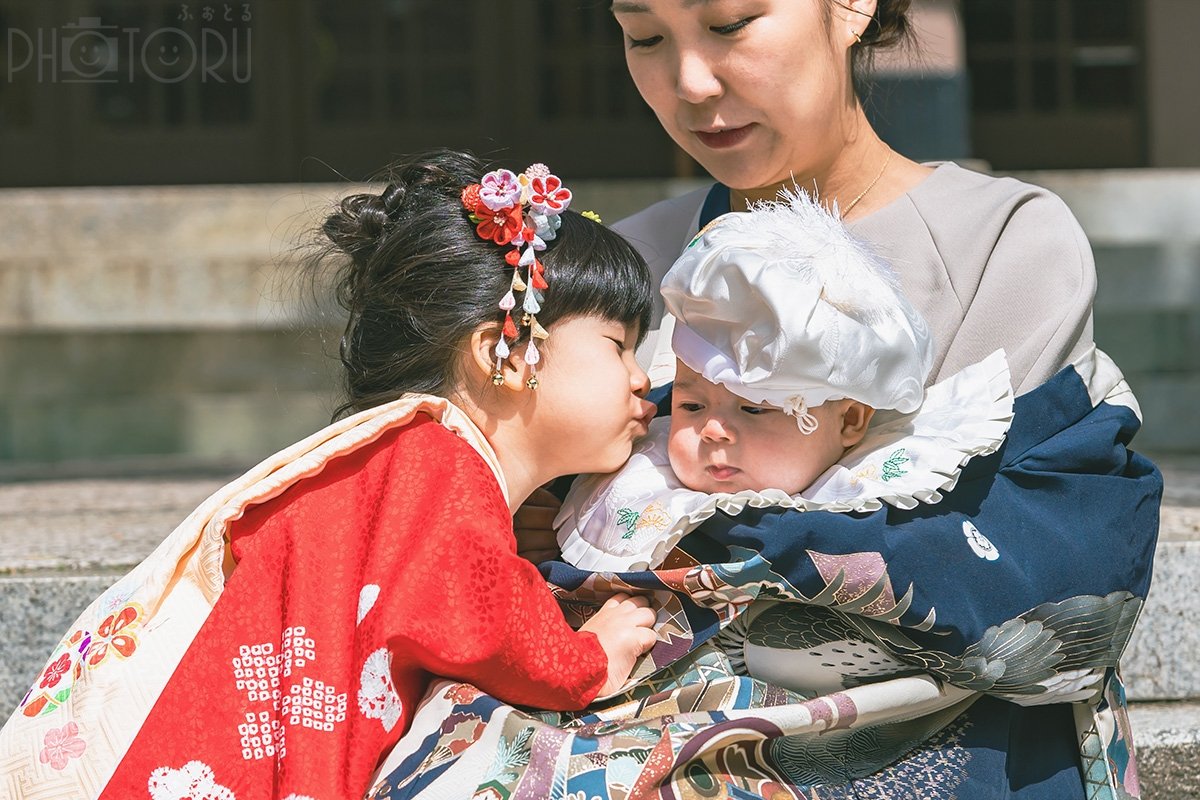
[[721, 473], [724, 138]]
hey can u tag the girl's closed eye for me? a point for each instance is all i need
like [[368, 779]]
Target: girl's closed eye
[[649, 41]]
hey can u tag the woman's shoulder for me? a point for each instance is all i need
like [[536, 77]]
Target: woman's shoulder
[[660, 231], [969, 222], [956, 197]]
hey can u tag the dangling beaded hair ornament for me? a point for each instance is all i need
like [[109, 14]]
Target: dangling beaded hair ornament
[[523, 211]]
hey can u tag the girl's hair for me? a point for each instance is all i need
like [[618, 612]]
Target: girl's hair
[[417, 281]]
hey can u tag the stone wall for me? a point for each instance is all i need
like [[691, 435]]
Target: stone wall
[[174, 322]]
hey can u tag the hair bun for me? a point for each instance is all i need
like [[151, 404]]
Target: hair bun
[[356, 225], [393, 197], [890, 26]]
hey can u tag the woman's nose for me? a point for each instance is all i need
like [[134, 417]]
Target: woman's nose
[[715, 430], [696, 81]]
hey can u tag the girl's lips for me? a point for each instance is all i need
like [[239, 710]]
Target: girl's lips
[[722, 139], [722, 473], [643, 421]]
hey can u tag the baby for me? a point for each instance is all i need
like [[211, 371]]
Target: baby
[[789, 337]]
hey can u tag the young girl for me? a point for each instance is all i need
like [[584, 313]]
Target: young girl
[[489, 349], [789, 335]]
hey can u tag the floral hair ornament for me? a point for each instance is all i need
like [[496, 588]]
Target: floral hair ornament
[[522, 211]]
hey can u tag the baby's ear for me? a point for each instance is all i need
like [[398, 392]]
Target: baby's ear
[[856, 417]]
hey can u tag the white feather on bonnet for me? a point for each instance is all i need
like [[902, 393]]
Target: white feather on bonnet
[[782, 306]]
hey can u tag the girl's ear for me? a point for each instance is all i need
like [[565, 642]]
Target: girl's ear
[[856, 417], [483, 365]]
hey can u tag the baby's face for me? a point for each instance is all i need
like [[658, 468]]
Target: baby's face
[[720, 442]]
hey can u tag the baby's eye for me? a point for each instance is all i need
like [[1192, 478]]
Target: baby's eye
[[690, 406], [756, 410]]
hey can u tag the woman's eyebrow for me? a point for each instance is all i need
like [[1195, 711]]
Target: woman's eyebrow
[[632, 7]]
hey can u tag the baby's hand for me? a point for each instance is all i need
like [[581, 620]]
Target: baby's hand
[[624, 627]]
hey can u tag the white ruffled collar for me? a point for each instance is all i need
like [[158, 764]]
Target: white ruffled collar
[[630, 519]]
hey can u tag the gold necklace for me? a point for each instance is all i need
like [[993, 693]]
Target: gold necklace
[[871, 185]]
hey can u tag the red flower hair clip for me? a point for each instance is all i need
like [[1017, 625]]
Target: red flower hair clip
[[524, 212]]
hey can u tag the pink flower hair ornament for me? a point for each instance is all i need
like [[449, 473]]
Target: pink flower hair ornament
[[524, 212]]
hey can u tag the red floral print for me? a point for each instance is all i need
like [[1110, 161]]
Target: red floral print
[[115, 634], [55, 671]]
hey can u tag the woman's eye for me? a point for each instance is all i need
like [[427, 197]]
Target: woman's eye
[[648, 42], [732, 27]]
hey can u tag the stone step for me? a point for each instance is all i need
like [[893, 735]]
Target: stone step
[[1167, 741]]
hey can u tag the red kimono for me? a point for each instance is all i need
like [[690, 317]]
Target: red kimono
[[352, 588]]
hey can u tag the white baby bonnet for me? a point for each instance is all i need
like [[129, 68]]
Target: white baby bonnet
[[629, 520], [783, 306]]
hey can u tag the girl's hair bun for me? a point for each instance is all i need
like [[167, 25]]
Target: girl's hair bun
[[357, 224]]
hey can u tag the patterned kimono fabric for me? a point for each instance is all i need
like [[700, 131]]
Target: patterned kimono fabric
[[967, 649], [388, 562]]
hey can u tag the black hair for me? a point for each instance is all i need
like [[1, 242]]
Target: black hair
[[417, 281], [890, 27]]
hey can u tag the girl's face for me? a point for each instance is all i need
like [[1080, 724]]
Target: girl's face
[[589, 401], [752, 89], [720, 442]]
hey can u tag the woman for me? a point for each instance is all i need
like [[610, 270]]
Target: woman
[[732, 87], [762, 93]]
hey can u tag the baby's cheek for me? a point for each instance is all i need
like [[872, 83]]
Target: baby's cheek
[[680, 453]]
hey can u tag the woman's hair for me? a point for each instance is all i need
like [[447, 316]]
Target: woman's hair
[[889, 27], [417, 281]]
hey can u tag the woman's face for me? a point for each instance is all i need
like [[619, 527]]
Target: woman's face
[[752, 89]]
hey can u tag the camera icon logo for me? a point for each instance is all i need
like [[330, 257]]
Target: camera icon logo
[[88, 50]]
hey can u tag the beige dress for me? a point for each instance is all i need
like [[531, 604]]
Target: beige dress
[[990, 263]]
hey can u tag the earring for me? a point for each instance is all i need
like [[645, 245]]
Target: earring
[[532, 383], [497, 378], [857, 38]]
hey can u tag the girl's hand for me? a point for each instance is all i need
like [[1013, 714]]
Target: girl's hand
[[533, 525], [624, 627]]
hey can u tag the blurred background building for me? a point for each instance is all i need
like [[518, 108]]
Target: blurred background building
[[160, 160]]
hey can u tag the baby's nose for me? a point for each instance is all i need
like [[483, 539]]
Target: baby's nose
[[716, 430]]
